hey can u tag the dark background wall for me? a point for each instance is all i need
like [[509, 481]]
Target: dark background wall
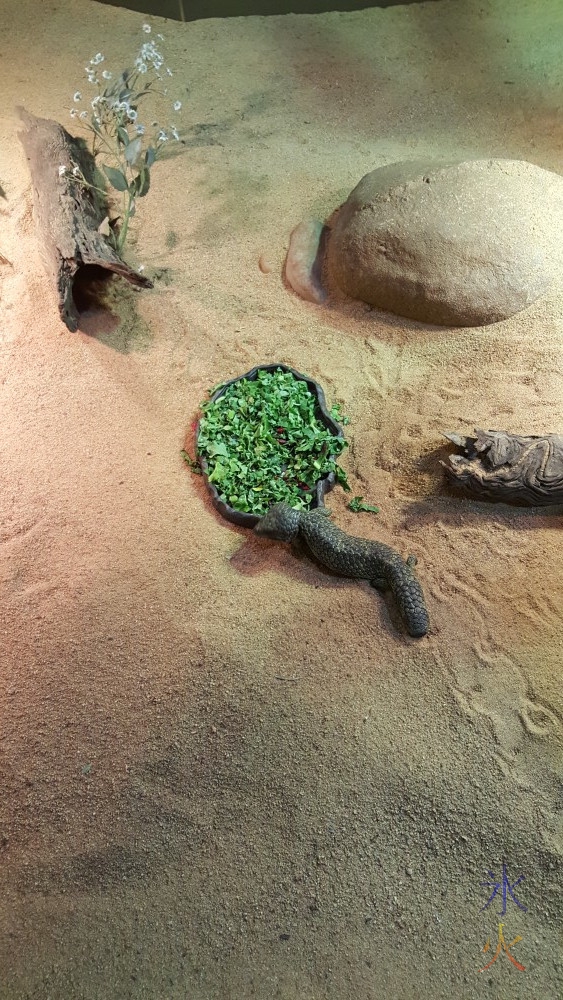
[[193, 10]]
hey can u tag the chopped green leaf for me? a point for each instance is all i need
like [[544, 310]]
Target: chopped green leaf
[[264, 440], [194, 466], [357, 504], [336, 414]]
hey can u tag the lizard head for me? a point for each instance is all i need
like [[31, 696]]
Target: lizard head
[[281, 522]]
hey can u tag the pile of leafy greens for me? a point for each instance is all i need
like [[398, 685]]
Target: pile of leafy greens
[[263, 442]]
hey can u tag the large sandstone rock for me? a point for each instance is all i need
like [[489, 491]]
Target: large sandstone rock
[[460, 244]]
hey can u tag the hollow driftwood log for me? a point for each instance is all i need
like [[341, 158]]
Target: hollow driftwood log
[[68, 214], [508, 468]]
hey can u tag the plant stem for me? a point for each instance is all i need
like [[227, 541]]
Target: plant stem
[[126, 216]]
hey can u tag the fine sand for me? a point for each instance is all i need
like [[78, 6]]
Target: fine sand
[[225, 773]]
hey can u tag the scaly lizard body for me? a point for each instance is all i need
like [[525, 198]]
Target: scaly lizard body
[[352, 557]]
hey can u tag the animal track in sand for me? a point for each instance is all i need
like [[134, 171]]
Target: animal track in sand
[[11, 531], [490, 684], [541, 611], [538, 720], [449, 598]]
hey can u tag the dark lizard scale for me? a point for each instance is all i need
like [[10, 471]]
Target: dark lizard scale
[[346, 554], [352, 557]]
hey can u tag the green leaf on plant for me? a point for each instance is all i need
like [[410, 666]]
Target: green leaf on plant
[[133, 151], [142, 182], [357, 505], [150, 156], [122, 135], [116, 178]]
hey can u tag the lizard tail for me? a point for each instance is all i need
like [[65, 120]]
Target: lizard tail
[[410, 600]]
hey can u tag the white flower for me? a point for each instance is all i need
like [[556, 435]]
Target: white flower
[[140, 129], [162, 137], [106, 74], [161, 37], [174, 132], [177, 105], [147, 29], [73, 112], [169, 71], [77, 96], [76, 171], [62, 170], [83, 115], [98, 58], [149, 54], [131, 114], [140, 66], [141, 268]]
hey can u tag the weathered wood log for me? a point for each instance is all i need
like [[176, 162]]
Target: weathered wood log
[[508, 468], [68, 214]]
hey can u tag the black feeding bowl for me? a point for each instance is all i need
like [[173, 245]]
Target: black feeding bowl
[[324, 484]]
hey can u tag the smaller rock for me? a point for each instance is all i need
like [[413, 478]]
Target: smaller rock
[[304, 260]]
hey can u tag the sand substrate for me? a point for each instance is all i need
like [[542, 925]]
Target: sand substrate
[[225, 773]]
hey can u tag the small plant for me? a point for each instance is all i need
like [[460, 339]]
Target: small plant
[[263, 443], [123, 147]]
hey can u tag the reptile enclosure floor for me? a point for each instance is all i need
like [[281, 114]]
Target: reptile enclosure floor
[[225, 773]]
